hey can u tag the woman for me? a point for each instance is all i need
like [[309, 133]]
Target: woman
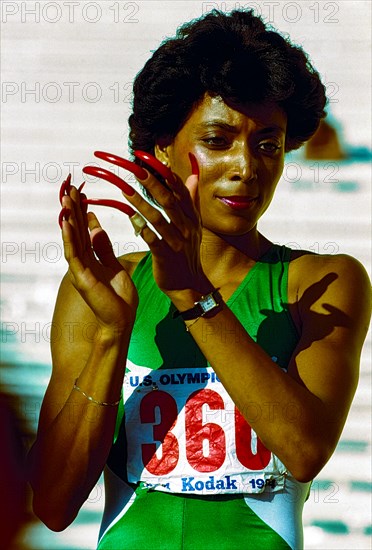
[[241, 356]]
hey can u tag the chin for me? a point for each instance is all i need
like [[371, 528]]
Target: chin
[[239, 230]]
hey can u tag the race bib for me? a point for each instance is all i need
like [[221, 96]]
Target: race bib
[[185, 435]]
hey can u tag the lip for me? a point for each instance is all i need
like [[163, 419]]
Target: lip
[[238, 202]]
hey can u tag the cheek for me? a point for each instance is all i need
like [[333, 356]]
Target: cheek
[[271, 171], [211, 168], [180, 162]]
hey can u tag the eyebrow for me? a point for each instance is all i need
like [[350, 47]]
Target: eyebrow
[[220, 123], [273, 128], [230, 128]]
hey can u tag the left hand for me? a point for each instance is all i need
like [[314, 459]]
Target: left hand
[[175, 245], [176, 248]]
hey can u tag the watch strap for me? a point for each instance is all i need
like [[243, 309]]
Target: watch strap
[[197, 310]]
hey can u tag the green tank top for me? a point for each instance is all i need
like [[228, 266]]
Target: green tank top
[[163, 355], [260, 303], [204, 457]]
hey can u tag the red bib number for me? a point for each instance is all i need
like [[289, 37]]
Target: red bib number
[[185, 435]]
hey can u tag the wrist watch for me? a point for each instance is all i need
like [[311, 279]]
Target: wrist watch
[[207, 303]]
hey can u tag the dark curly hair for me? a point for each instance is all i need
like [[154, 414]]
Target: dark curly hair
[[235, 56]]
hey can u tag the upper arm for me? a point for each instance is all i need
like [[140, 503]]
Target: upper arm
[[334, 309]]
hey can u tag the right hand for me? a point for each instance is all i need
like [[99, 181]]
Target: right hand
[[95, 272]]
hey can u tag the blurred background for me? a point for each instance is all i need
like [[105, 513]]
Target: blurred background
[[67, 70]]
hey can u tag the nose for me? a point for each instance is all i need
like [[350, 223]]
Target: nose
[[243, 164]]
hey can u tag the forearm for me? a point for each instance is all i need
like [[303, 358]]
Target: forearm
[[69, 454], [287, 417]]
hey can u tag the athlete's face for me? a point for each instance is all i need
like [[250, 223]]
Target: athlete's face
[[241, 157]]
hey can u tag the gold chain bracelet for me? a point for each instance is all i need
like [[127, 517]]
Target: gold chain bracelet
[[102, 403], [193, 323]]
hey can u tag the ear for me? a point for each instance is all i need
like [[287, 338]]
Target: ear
[[162, 153]]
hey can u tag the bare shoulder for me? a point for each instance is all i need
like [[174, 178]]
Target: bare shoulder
[[306, 268], [131, 260], [331, 283]]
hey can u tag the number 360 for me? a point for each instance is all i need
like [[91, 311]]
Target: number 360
[[198, 435]]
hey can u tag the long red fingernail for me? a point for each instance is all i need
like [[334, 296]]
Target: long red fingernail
[[65, 188], [111, 178], [84, 206], [194, 165], [63, 215], [137, 170], [113, 204], [163, 170]]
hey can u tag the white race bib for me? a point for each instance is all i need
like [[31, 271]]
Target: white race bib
[[185, 435]]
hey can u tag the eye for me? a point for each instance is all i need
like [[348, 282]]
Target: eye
[[269, 146], [215, 141]]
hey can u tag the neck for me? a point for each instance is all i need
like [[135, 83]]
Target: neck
[[225, 253]]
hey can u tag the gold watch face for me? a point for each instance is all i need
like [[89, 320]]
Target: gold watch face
[[208, 303]]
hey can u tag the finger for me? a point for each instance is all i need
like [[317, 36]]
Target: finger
[[125, 208], [63, 216], [138, 222], [83, 205], [192, 185], [103, 249], [177, 205], [194, 165], [110, 177], [164, 171], [65, 188], [179, 190], [136, 219], [84, 210], [137, 170], [80, 188], [102, 245], [77, 219], [166, 199], [152, 214], [71, 250]]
